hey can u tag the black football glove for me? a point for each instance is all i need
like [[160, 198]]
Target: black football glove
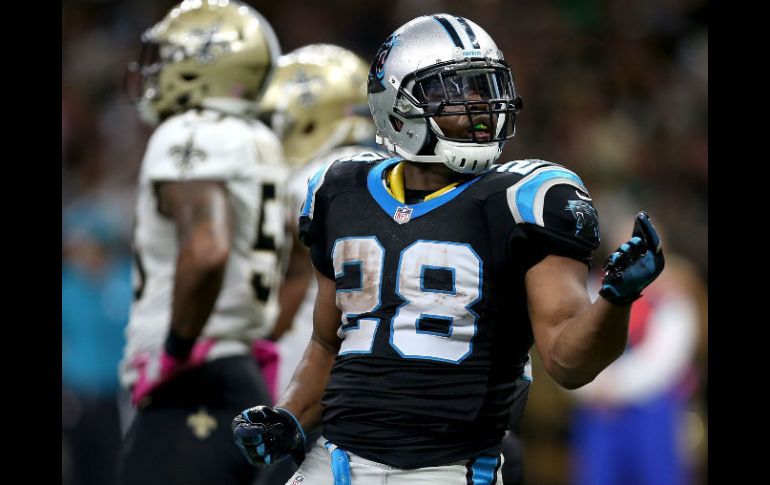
[[634, 265], [265, 435]]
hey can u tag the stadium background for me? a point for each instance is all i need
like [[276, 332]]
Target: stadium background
[[615, 90]]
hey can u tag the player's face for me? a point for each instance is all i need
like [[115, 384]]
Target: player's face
[[464, 126], [473, 120]]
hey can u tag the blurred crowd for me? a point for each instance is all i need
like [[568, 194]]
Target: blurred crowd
[[615, 90]]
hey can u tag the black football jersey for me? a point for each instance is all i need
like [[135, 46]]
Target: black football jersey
[[435, 329]]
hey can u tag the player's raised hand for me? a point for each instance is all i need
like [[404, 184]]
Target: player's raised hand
[[634, 265], [265, 435]]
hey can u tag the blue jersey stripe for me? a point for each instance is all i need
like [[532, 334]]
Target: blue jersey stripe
[[313, 184], [528, 192]]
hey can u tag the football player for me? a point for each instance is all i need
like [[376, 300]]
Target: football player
[[317, 105], [437, 270], [207, 231]]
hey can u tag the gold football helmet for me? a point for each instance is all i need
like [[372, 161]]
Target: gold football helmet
[[204, 50], [317, 101]]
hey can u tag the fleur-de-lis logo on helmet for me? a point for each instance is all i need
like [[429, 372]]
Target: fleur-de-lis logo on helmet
[[208, 49]]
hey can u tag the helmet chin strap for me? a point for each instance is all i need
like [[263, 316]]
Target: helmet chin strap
[[468, 157], [463, 157]]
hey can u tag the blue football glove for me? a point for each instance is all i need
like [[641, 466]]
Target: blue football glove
[[634, 265], [265, 435]]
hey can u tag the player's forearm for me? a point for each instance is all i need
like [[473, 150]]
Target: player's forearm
[[303, 396], [292, 292], [587, 343], [198, 280], [203, 217]]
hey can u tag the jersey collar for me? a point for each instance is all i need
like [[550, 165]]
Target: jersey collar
[[377, 188]]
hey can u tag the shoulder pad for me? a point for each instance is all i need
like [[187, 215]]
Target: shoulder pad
[[499, 178], [313, 184], [526, 197], [522, 167], [203, 146], [341, 173], [364, 157]]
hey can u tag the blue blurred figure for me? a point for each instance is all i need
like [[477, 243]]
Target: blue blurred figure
[[96, 295], [628, 425]]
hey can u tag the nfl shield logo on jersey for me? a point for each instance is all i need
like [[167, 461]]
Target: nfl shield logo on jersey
[[402, 215]]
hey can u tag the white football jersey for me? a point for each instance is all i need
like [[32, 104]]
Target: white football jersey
[[292, 344], [248, 159]]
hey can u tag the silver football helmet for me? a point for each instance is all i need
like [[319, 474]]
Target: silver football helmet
[[436, 66]]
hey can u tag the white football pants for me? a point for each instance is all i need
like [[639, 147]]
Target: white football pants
[[351, 469]]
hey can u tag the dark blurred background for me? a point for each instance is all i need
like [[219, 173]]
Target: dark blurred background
[[616, 90]]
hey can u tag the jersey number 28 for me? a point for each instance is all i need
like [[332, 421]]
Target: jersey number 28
[[434, 323]]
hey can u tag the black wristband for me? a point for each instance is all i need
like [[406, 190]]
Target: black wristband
[[178, 347]]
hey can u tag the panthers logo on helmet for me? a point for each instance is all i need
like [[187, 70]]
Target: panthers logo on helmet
[[377, 71]]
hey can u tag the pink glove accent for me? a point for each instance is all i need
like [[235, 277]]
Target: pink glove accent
[[266, 354], [155, 369]]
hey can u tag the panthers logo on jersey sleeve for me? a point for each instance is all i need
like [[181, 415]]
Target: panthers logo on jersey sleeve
[[586, 218], [553, 200]]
